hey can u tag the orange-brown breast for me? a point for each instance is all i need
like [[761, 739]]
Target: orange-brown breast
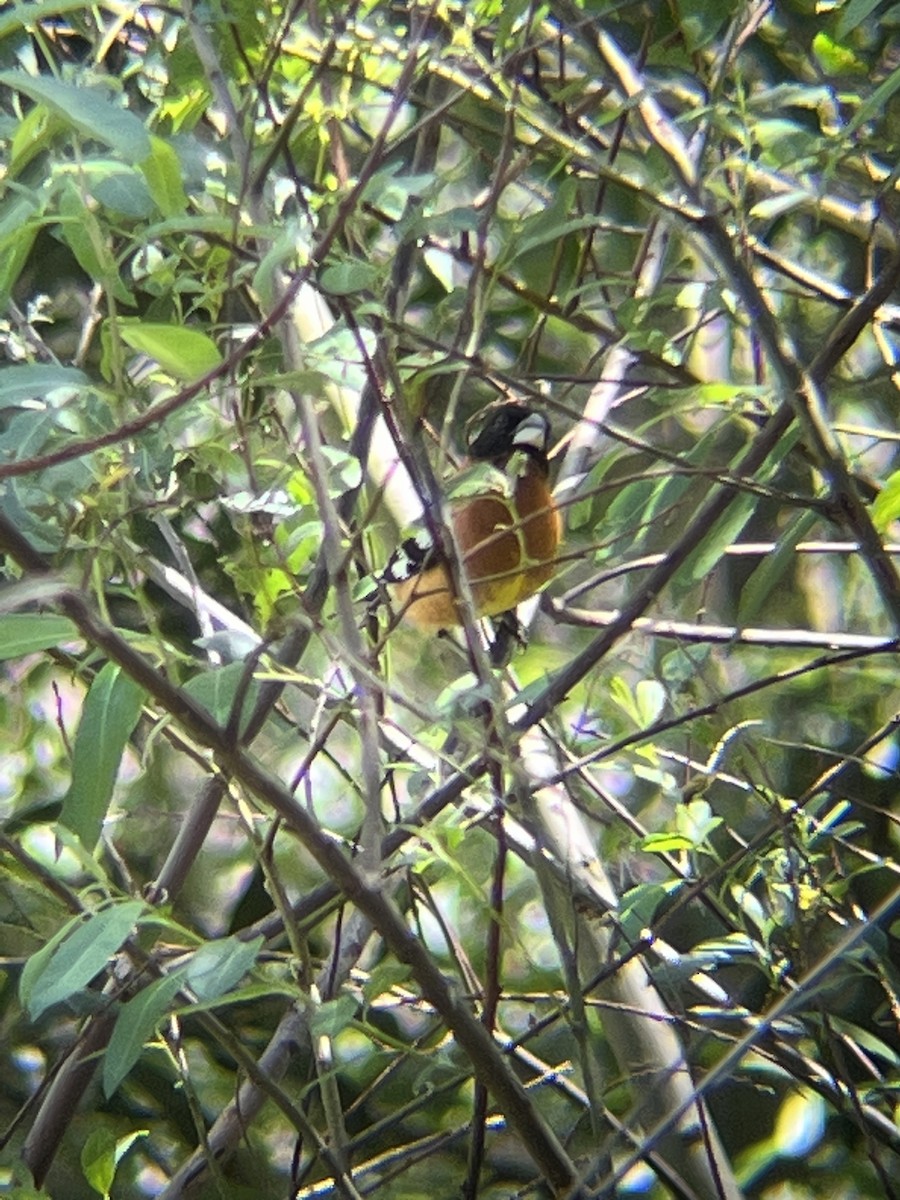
[[506, 560]]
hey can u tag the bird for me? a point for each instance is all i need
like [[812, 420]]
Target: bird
[[505, 525]]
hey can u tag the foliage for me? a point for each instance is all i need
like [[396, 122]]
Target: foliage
[[295, 900]]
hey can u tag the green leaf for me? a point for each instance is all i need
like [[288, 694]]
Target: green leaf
[[37, 963], [777, 206], [218, 966], [620, 693], [137, 1020], [88, 242], [89, 110], [836, 58], [84, 949], [216, 689], [23, 16], [696, 821], [887, 503], [722, 534], [101, 1154], [665, 843], [650, 697], [639, 905], [344, 471], [110, 713], [333, 1017], [162, 170], [36, 380], [701, 20], [345, 278], [120, 189], [28, 633], [852, 14], [17, 235], [770, 572], [383, 977], [98, 1160], [186, 354]]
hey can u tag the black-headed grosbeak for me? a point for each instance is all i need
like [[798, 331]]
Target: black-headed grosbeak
[[504, 521]]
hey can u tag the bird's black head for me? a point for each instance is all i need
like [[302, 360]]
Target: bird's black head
[[501, 428]]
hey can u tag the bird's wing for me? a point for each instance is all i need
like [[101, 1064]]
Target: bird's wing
[[417, 550]]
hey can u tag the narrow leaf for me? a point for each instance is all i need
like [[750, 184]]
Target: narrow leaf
[[110, 713], [771, 571], [162, 170], [81, 955], [134, 1026]]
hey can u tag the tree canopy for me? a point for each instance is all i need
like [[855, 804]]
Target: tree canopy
[[298, 899]]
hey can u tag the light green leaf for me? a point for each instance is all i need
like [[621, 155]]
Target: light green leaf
[[777, 206], [650, 697], [837, 58], [696, 821], [101, 1154], [28, 633], [666, 843], [620, 693], [480, 479], [162, 170], [344, 471], [187, 354], [89, 110], [887, 503], [110, 713], [98, 1160]]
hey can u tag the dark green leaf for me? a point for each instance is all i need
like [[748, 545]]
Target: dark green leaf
[[135, 1023], [772, 569], [83, 951]]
